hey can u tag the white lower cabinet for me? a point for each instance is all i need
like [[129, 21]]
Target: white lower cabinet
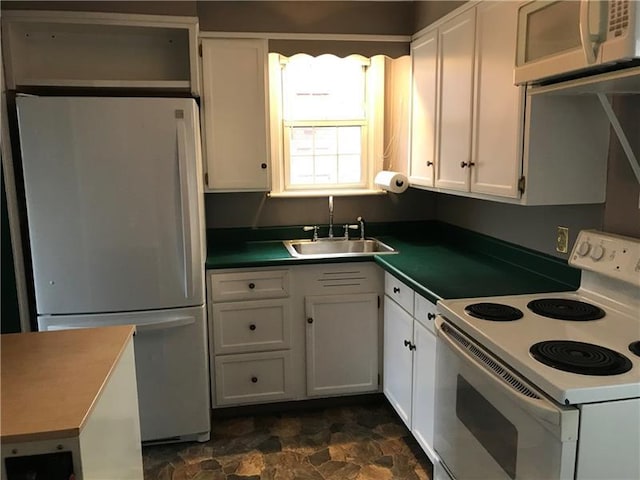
[[294, 333], [398, 359], [342, 344], [250, 337], [409, 364], [253, 377]]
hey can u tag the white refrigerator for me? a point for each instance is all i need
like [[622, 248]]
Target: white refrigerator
[[114, 202]]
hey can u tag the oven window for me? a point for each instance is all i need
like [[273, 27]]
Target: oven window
[[496, 434], [552, 29]]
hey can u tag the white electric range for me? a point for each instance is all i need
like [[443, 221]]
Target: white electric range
[[545, 385]]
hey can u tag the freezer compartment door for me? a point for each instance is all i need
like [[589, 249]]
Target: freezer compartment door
[[114, 203], [171, 367]]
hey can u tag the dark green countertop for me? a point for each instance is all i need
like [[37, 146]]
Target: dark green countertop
[[437, 260]]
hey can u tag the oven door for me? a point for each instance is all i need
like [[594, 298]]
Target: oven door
[[490, 423]]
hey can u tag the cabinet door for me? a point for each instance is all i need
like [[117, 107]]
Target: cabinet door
[[342, 344], [456, 38], [424, 377], [499, 104], [398, 334], [424, 53], [235, 110]]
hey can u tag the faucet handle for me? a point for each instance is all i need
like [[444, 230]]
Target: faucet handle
[[315, 231], [348, 227], [360, 221]]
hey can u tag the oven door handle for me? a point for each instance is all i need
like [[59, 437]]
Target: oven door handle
[[538, 407]]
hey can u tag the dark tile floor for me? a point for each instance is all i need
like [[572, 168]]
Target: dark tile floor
[[367, 442]]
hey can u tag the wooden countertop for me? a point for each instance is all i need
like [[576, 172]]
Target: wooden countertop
[[50, 381]]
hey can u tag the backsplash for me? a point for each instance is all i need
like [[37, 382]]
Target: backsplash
[[224, 210]]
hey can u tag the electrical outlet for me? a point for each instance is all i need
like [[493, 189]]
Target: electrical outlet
[[562, 240]]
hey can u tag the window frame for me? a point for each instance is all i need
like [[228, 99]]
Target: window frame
[[372, 134]]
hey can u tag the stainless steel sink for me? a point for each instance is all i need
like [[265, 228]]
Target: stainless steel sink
[[330, 248]]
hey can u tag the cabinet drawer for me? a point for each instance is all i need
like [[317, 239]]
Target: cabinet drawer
[[425, 312], [253, 378], [399, 292], [251, 326], [249, 285]]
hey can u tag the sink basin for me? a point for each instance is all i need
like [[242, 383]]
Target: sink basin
[[329, 248]]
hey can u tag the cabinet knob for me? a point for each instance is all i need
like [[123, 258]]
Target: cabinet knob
[[252, 327], [431, 316], [412, 347], [407, 343], [396, 289], [429, 164], [309, 320], [263, 166], [466, 164], [254, 379], [252, 285]]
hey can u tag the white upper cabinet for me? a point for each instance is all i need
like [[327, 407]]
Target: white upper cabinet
[[494, 140], [456, 101], [499, 105], [235, 114], [100, 50], [424, 56]]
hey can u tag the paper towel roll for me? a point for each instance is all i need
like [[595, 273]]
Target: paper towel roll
[[394, 182]]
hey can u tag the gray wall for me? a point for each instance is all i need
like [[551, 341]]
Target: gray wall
[[622, 210], [258, 210], [535, 227], [347, 17], [425, 13], [531, 227], [180, 7]]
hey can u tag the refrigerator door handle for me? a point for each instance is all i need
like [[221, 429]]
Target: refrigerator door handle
[[165, 324], [185, 204]]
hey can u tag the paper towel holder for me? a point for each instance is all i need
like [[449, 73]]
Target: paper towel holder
[[390, 181]]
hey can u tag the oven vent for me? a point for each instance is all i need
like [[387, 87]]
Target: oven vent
[[490, 363]]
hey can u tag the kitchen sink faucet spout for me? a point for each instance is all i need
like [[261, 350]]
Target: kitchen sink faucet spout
[[330, 216]]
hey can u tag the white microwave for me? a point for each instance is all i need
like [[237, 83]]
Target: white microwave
[[561, 38]]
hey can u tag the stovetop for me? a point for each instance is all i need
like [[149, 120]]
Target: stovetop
[[603, 313], [511, 342]]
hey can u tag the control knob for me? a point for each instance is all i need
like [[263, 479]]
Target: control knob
[[583, 248], [597, 252]]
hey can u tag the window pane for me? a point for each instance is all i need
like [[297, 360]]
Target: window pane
[[301, 142], [325, 155], [323, 88], [349, 169], [326, 169], [326, 140], [349, 140], [301, 169]]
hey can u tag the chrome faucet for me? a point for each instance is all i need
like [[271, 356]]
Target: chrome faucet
[[330, 216], [361, 221]]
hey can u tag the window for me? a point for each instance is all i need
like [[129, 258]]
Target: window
[[326, 123]]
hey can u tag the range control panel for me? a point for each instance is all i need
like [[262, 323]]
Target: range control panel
[[608, 254]]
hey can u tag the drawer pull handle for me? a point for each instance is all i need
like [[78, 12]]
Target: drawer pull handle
[[252, 285], [396, 289], [252, 327], [309, 320], [431, 316], [254, 379]]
